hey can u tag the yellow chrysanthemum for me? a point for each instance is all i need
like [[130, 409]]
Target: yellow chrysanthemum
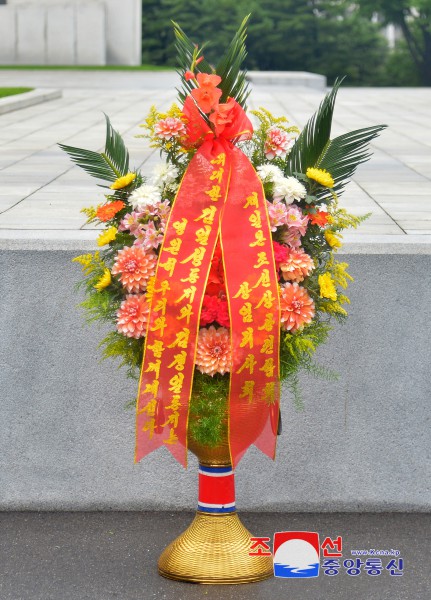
[[327, 287], [104, 281], [108, 235], [321, 176], [333, 238], [123, 182]]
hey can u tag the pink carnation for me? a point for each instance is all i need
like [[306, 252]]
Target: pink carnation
[[132, 316], [215, 309], [277, 143], [280, 254], [170, 127]]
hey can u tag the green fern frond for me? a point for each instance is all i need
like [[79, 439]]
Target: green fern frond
[[129, 350], [107, 165]]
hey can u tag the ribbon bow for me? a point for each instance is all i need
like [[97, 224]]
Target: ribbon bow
[[220, 198]]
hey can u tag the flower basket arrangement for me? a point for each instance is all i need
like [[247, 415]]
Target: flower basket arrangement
[[218, 273]]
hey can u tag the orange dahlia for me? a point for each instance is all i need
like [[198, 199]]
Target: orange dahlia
[[297, 266], [132, 316], [297, 308], [213, 351], [108, 211], [134, 266]]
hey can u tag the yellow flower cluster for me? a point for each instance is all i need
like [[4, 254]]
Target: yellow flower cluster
[[327, 287], [123, 182], [89, 262], [107, 236], [104, 281], [333, 239], [321, 176]]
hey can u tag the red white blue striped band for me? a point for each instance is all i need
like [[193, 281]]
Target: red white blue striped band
[[216, 489]]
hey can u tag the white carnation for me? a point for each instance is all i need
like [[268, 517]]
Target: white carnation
[[269, 173], [164, 174], [145, 195], [288, 189]]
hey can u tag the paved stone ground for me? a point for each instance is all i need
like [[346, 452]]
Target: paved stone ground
[[107, 556], [41, 193]]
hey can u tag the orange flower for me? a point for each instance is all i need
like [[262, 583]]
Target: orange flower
[[134, 267], [297, 266], [189, 75], [297, 308], [213, 353], [320, 218], [108, 211], [132, 316], [207, 94], [223, 116]]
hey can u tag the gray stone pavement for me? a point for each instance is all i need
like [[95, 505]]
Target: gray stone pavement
[[41, 193], [107, 556]]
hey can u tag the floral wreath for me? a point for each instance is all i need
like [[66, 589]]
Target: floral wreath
[[301, 174]]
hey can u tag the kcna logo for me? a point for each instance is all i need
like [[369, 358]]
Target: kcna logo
[[296, 554]]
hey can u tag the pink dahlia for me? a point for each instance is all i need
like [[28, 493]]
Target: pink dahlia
[[277, 143], [134, 266], [297, 308], [213, 351], [132, 316], [297, 266], [170, 127]]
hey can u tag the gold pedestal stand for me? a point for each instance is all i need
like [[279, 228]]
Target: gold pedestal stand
[[215, 547]]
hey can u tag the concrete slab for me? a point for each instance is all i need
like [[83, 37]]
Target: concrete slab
[[395, 185], [111, 556]]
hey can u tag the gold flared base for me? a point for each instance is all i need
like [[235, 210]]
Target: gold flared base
[[214, 549]]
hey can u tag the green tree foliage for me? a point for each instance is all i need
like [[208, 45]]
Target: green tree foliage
[[413, 17], [323, 36]]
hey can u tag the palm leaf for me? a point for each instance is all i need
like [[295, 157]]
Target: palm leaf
[[315, 136], [185, 48], [343, 154], [340, 156], [233, 82], [107, 165]]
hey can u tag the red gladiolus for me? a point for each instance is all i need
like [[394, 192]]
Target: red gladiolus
[[223, 116], [189, 75], [207, 94]]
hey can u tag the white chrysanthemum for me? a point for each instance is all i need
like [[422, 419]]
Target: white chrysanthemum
[[269, 173], [144, 195], [288, 189], [164, 174]]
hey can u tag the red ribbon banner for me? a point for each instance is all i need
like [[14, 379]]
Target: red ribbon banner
[[220, 197]]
